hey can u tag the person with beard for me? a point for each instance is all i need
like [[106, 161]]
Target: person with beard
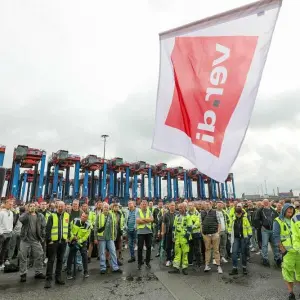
[[32, 234], [57, 237]]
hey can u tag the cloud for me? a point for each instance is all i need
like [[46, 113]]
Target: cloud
[[278, 110], [71, 72], [270, 150]]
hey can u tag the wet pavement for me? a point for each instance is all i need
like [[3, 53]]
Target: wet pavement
[[262, 283]]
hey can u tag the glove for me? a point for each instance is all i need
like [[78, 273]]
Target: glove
[[249, 236], [187, 236]]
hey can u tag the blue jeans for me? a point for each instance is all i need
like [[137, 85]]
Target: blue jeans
[[267, 236], [78, 257], [131, 242], [110, 246], [254, 242], [239, 247]]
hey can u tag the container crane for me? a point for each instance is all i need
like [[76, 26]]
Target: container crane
[[137, 168], [28, 158], [90, 163], [62, 160]]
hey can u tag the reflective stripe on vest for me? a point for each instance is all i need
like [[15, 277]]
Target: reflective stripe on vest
[[285, 234], [142, 216], [65, 227]]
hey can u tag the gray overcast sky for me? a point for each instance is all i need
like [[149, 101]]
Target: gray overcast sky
[[73, 70]]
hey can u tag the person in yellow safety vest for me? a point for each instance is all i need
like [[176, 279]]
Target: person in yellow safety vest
[[57, 236], [182, 230], [282, 235], [240, 232], [120, 222], [232, 211], [80, 233], [105, 236], [144, 221], [225, 220], [91, 220], [43, 210], [194, 242], [297, 207]]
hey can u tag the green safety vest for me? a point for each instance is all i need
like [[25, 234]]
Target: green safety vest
[[47, 215], [65, 226], [92, 218], [195, 217], [247, 229], [227, 218], [142, 216], [182, 225], [81, 231], [285, 235], [101, 223]]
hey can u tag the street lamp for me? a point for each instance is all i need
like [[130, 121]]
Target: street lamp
[[104, 137]]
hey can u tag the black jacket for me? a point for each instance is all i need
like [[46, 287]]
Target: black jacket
[[265, 217], [40, 226]]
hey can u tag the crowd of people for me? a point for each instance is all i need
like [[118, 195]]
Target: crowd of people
[[183, 234]]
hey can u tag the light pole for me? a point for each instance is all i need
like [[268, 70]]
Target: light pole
[[104, 137]]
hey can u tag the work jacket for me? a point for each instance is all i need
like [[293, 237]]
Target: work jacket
[[247, 229], [80, 230], [40, 226]]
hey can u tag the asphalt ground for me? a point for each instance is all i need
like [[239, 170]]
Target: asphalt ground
[[262, 283]]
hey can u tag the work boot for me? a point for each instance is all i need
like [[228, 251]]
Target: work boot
[[139, 266], [23, 278], [89, 260], [102, 272], [234, 271], [245, 272], [184, 271], [148, 266], [174, 271], [59, 281], [119, 271], [131, 260], [292, 296], [47, 284]]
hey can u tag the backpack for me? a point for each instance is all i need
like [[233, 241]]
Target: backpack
[[11, 268]]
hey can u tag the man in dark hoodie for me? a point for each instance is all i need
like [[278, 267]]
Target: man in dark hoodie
[[282, 235]]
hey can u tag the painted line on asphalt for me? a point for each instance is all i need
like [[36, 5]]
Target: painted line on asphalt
[[177, 287]]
